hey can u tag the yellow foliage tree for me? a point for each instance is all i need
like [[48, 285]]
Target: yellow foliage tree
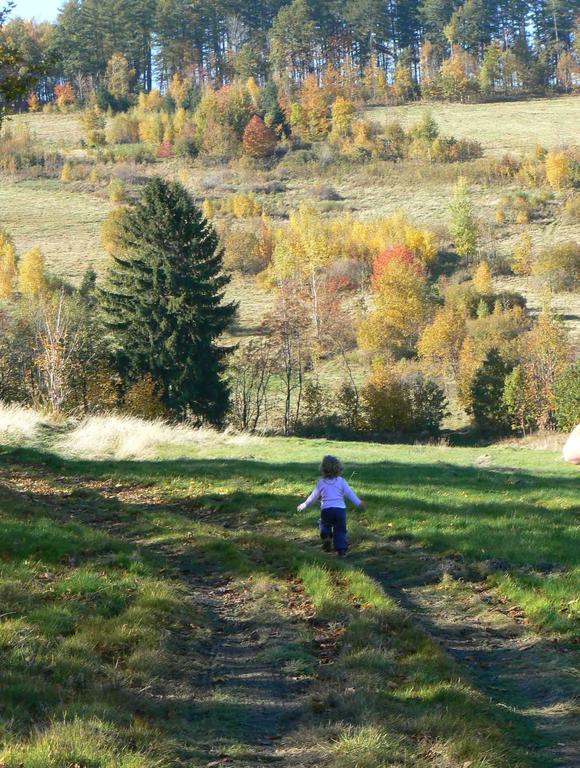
[[482, 279], [313, 121], [522, 256], [31, 273], [179, 121], [399, 310], [441, 342], [302, 252], [8, 267], [343, 112], [468, 364], [557, 165], [254, 90], [545, 355], [177, 89], [208, 208]]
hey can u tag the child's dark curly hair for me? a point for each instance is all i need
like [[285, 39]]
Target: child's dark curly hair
[[330, 467]]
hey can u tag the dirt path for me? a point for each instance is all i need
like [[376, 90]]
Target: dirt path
[[259, 699], [514, 666]]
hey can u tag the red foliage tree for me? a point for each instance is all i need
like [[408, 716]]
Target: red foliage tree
[[394, 252], [259, 140]]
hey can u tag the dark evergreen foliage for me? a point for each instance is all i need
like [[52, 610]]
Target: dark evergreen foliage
[[164, 302], [217, 39], [487, 392]]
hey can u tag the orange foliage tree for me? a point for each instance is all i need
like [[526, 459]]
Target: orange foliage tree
[[259, 140]]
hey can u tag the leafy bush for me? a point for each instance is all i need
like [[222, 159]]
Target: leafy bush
[[560, 264], [123, 129], [402, 404], [242, 252], [185, 146]]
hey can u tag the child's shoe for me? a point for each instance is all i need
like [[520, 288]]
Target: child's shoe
[[341, 553], [327, 545]]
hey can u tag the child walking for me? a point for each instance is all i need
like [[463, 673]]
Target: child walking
[[331, 490]]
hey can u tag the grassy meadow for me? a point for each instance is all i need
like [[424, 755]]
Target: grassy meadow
[[502, 127], [164, 604]]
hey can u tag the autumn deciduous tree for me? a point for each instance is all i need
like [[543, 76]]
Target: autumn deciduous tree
[[8, 269], [312, 117], [545, 355], [119, 76], [64, 95], [557, 164], [399, 307], [259, 140], [522, 255], [343, 114], [482, 278], [291, 334], [302, 252], [441, 342], [31, 278]]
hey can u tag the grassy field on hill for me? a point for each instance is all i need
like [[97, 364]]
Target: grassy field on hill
[[502, 126], [165, 605]]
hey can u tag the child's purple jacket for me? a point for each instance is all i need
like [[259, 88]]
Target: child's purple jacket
[[331, 491]]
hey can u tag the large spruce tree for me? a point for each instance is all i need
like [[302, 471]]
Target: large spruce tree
[[163, 301]]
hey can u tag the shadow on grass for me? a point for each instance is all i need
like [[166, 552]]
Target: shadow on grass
[[237, 533]]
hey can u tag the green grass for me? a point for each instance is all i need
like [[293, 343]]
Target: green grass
[[98, 603], [501, 127]]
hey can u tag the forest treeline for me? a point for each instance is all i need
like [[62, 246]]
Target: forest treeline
[[396, 50]]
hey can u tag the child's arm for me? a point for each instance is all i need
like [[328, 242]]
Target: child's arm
[[351, 495], [311, 499]]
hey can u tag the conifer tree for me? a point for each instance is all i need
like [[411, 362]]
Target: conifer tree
[[489, 408], [164, 302], [463, 224]]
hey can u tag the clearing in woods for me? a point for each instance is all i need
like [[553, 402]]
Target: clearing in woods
[[178, 611]]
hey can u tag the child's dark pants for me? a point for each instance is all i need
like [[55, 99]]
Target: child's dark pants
[[333, 525]]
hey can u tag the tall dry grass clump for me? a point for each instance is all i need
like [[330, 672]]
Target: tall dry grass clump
[[18, 424], [128, 437]]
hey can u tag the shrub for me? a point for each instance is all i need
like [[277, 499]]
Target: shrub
[[242, 251], [572, 209], [133, 153], [560, 264], [394, 402], [242, 205], [123, 129], [93, 122], [142, 400], [185, 146], [165, 150], [557, 165], [567, 398], [117, 190]]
